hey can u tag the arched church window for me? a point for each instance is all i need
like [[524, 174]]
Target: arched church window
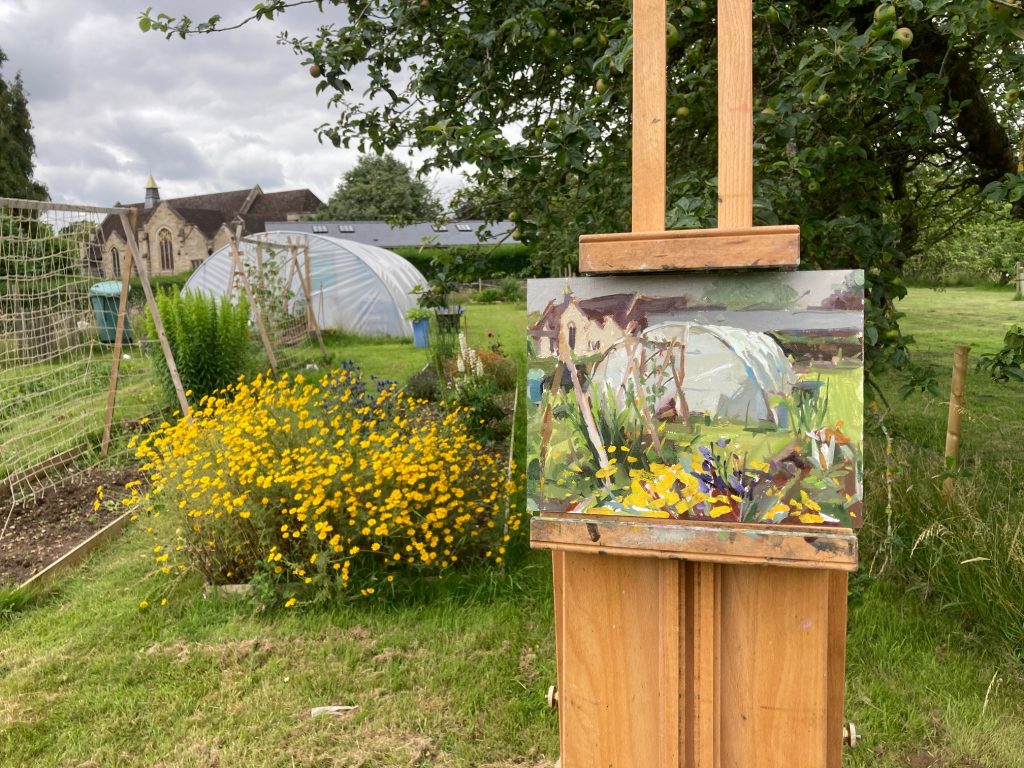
[[166, 250]]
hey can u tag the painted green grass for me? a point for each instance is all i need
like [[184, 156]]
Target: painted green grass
[[454, 677]]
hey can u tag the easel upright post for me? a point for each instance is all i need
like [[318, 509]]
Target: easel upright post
[[649, 132], [641, 635]]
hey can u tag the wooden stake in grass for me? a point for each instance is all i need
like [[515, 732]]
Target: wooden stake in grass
[[956, 409], [1019, 282], [238, 272]]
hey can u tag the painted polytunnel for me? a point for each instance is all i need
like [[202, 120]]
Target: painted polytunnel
[[357, 288], [723, 372]]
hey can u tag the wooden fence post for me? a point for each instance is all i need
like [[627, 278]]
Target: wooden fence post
[[956, 410]]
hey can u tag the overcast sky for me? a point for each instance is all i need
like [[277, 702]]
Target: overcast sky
[[110, 104]]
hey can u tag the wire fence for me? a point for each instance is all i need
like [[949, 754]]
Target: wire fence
[[58, 322]]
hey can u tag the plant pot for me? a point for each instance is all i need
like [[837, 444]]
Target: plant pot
[[421, 333], [449, 319]]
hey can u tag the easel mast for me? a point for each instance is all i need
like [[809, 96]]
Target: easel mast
[[685, 645]]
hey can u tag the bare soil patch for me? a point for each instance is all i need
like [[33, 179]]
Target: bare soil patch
[[45, 529]]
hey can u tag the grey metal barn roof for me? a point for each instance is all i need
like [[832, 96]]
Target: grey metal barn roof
[[380, 233]]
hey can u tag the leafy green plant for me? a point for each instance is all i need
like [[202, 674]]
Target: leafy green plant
[[418, 313], [488, 296], [512, 290], [1007, 363], [209, 339]]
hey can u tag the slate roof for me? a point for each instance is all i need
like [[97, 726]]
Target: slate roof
[[382, 234], [209, 212]]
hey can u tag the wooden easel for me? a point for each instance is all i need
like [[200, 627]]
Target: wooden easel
[[686, 644]]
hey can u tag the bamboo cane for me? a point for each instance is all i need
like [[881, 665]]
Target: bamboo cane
[[956, 409]]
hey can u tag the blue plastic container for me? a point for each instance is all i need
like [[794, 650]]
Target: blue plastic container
[[421, 333]]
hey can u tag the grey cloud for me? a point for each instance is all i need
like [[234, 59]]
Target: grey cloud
[[110, 104]]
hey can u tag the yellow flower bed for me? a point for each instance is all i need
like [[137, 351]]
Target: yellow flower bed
[[320, 484]]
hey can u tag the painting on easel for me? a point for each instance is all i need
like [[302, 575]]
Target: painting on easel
[[728, 397]]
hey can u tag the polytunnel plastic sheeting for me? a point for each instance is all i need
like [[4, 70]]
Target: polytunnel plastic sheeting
[[357, 288], [726, 372]]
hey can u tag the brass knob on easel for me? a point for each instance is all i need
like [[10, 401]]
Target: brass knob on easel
[[552, 697], [850, 735]]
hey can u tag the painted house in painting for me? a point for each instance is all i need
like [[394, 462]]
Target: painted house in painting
[[590, 326]]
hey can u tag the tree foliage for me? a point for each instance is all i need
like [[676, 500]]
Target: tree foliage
[[861, 128], [16, 144], [983, 248], [381, 188]]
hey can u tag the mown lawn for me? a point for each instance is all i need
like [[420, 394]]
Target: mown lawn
[[456, 675]]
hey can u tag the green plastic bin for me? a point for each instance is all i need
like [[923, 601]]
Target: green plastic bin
[[104, 298]]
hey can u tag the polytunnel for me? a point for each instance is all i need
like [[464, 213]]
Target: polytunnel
[[723, 372], [361, 289]]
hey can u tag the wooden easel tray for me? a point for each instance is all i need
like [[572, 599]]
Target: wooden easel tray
[[734, 543]]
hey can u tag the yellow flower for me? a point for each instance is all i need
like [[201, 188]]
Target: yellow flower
[[289, 602]]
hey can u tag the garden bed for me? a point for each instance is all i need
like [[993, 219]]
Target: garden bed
[[43, 530]]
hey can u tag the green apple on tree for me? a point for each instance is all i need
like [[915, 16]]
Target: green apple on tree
[[885, 13], [903, 36], [671, 34]]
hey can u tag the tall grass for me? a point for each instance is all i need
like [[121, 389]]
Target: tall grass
[[965, 552]]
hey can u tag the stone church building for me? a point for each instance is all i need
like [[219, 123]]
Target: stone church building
[[176, 235]]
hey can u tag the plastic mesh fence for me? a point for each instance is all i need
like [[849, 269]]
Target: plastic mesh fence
[[58, 320]]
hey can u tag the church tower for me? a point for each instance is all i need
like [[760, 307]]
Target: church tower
[[152, 193]]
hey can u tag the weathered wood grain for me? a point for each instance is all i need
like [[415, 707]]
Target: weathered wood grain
[[792, 547], [691, 249]]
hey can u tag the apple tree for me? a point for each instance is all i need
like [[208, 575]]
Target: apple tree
[[869, 118]]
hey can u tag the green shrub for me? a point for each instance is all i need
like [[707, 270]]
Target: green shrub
[[512, 290], [1007, 363], [159, 284], [487, 296], [481, 381], [209, 340], [424, 384], [477, 262]]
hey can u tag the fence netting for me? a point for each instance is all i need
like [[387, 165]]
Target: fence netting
[[58, 322]]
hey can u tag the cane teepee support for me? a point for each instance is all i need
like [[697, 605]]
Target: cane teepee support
[[687, 644]]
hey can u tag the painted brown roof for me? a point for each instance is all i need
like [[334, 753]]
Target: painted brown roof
[[621, 307]]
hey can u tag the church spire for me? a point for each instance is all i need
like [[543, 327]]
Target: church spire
[[152, 193]]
